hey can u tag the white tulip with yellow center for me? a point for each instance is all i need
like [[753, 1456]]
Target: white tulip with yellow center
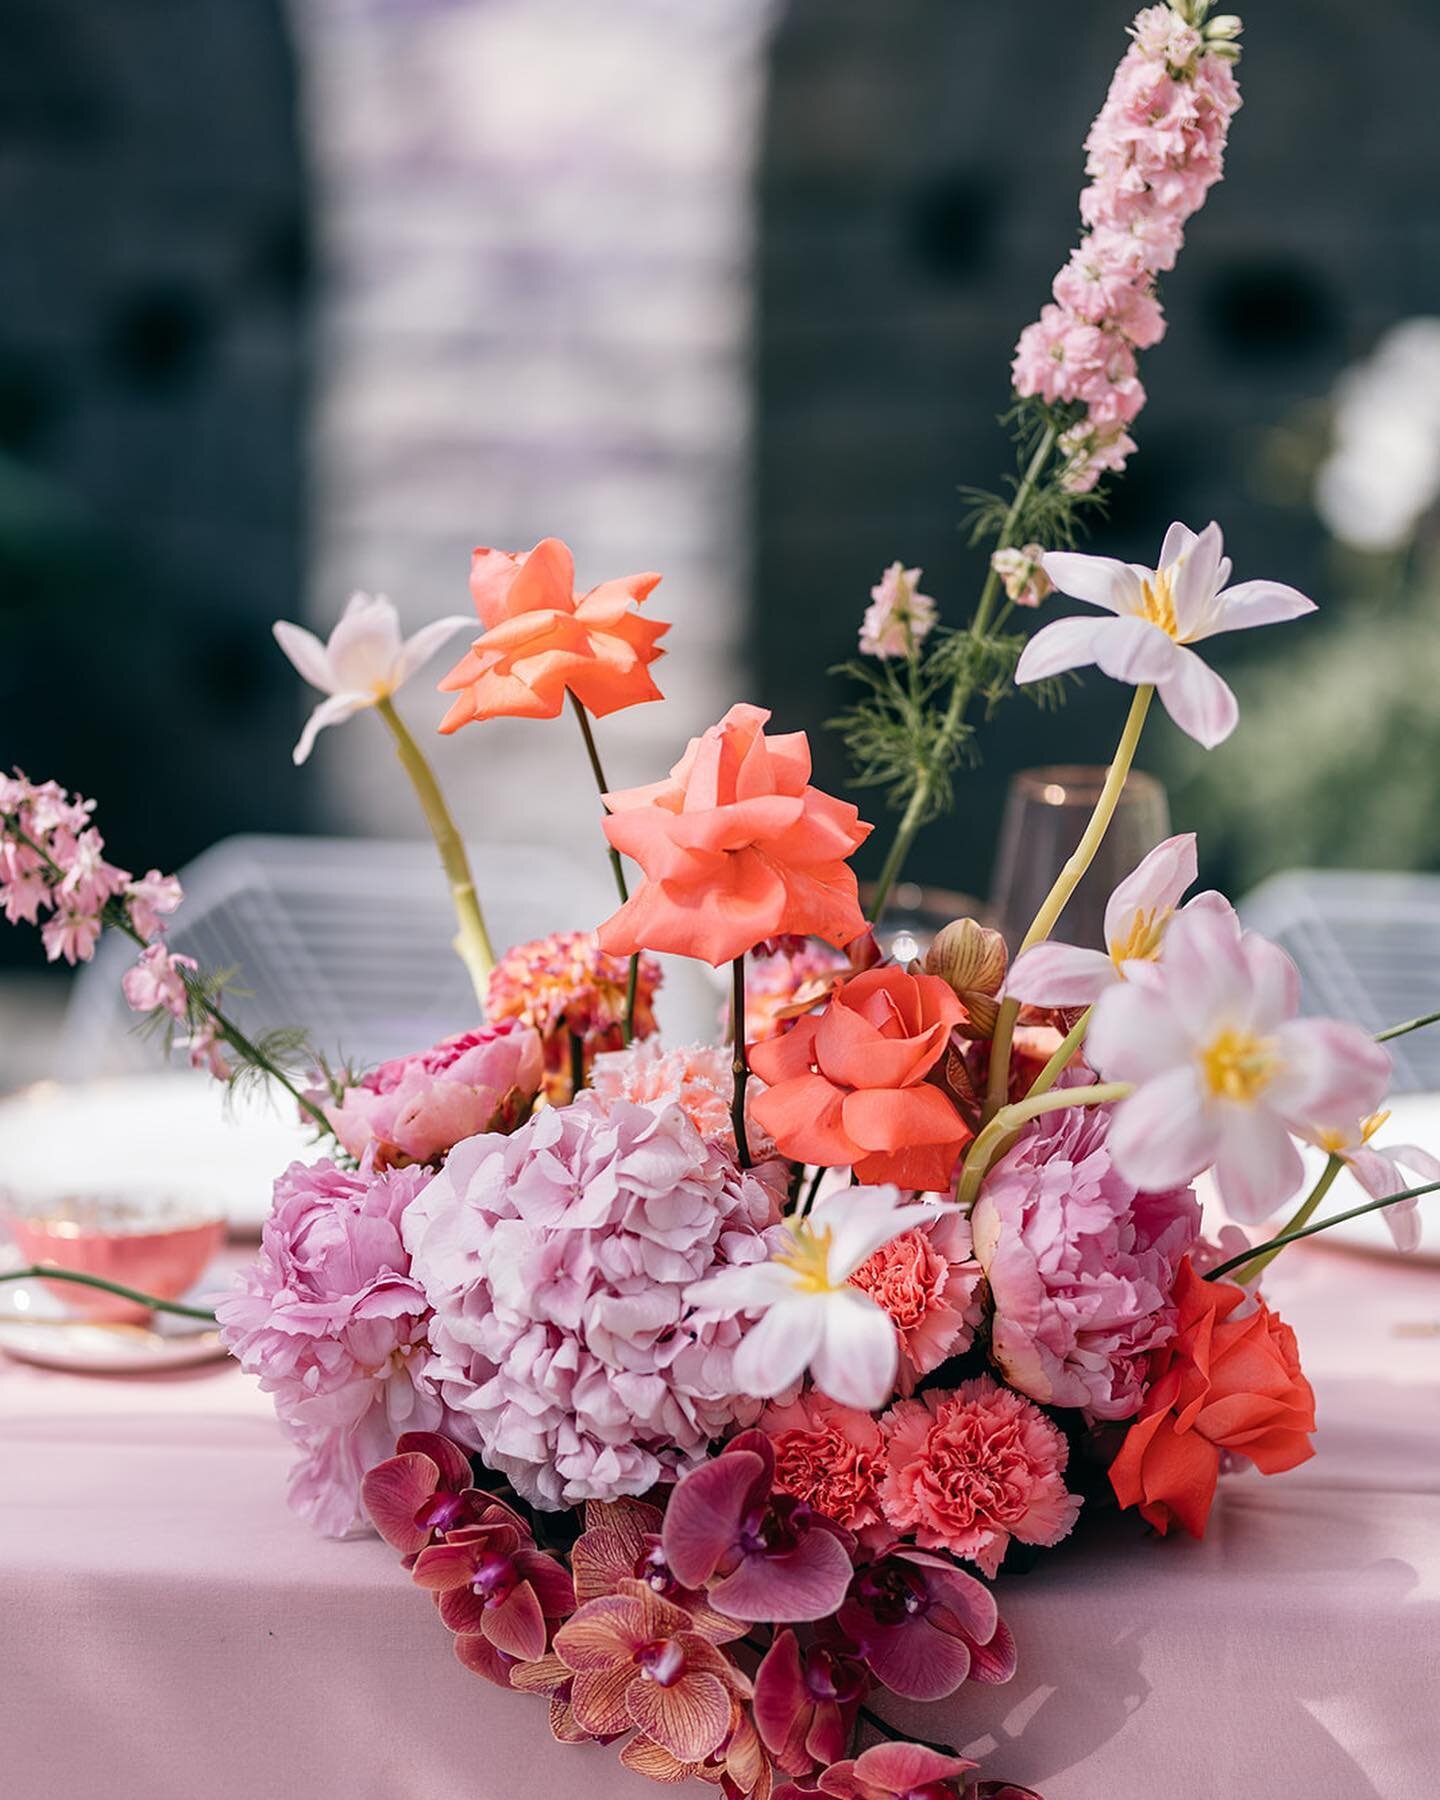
[[810, 1316], [1158, 614], [1381, 1172], [1224, 1071]]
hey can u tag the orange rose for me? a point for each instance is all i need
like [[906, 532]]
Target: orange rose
[[1221, 1384], [848, 1085], [736, 847], [541, 638]]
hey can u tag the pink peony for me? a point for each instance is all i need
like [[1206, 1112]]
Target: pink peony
[[415, 1108], [1080, 1266], [927, 1280], [330, 1320], [556, 1261], [973, 1467], [698, 1079], [833, 1458]]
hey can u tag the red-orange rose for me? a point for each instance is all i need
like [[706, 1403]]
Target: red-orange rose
[[736, 847], [848, 1085], [1222, 1383]]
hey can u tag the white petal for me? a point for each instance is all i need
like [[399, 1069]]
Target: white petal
[[1378, 1172], [1196, 581], [307, 653], [333, 711], [1276, 982], [1252, 603], [857, 1358], [1332, 1070], [1178, 540], [1208, 982], [778, 1350], [1164, 1134], [1060, 975], [860, 1220], [1198, 700], [1100, 580], [1135, 1035], [364, 648], [746, 1288], [1065, 644], [1135, 651], [1157, 882], [1257, 1167], [419, 648]]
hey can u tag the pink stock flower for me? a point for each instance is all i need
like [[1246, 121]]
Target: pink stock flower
[[923, 1627], [899, 617], [158, 980], [833, 1458], [558, 1260], [759, 1555], [330, 1320], [973, 1467], [806, 1702], [1381, 1172], [1223, 1069], [697, 1078], [1157, 614], [1080, 1266], [415, 1108], [1022, 574], [1136, 915], [897, 1772], [928, 1281]]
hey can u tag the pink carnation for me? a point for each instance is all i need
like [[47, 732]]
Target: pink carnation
[[698, 1079], [973, 1467], [833, 1458], [331, 1322], [1080, 1266], [927, 1280], [415, 1108], [557, 1260]]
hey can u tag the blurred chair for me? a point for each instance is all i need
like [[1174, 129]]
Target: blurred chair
[[350, 938], [1367, 947]]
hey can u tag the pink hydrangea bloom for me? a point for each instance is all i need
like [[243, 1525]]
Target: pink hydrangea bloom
[[899, 617], [557, 1261], [158, 980], [415, 1108], [1080, 1266], [331, 1321], [697, 1078], [927, 1280], [973, 1467]]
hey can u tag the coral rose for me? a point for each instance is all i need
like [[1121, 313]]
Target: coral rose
[[1224, 1383], [736, 847], [541, 639], [849, 1087]]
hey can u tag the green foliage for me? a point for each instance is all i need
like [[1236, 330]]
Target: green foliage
[[1047, 513]]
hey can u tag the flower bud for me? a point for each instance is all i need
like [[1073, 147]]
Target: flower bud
[[971, 958]]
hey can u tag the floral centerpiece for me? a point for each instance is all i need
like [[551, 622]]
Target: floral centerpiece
[[712, 1390]]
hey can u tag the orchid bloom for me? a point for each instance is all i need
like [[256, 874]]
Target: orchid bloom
[[897, 1772], [427, 1486], [811, 1316], [924, 1627], [1224, 1071], [1158, 614], [1381, 1172], [1136, 915], [364, 661], [492, 1582], [805, 1703]]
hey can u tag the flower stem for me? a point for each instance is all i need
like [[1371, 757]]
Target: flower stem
[[1289, 1236], [1303, 1214], [40, 1272], [472, 940], [1394, 1031], [617, 867], [741, 1066], [913, 816], [1061, 1058], [577, 1063], [1066, 883], [996, 1136]]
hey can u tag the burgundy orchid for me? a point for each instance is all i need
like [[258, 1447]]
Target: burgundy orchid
[[923, 1627], [760, 1555], [492, 1583], [806, 1702], [897, 1772], [425, 1488], [621, 1542], [638, 1662]]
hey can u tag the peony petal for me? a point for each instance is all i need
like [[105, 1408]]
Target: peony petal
[[1198, 700]]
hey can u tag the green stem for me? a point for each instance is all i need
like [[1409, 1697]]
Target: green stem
[[39, 1272], [1303, 1214], [914, 814], [814, 1188], [1384, 1037], [472, 940], [617, 868], [1066, 883], [994, 1139], [1063, 1053], [1293, 1237], [740, 1065], [577, 1063]]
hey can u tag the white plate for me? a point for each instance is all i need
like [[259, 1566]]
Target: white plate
[[36, 1327], [174, 1138]]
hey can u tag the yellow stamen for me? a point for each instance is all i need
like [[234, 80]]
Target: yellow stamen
[[1334, 1140], [1142, 942], [809, 1257], [1237, 1065], [1158, 603]]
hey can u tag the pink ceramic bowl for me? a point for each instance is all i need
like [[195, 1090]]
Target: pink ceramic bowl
[[159, 1255]]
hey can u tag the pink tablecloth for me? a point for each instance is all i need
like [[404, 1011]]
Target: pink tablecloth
[[169, 1632]]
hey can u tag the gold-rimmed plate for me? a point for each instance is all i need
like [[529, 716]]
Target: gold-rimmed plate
[[36, 1328]]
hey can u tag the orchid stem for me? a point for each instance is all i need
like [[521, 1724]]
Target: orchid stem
[[1066, 883], [1394, 1031], [741, 1065], [1293, 1237], [472, 940], [617, 867], [996, 1136], [1062, 1056], [1303, 1214], [914, 815], [39, 1272]]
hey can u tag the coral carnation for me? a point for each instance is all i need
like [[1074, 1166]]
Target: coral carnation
[[833, 1458], [927, 1280], [697, 1078], [973, 1467], [566, 986]]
